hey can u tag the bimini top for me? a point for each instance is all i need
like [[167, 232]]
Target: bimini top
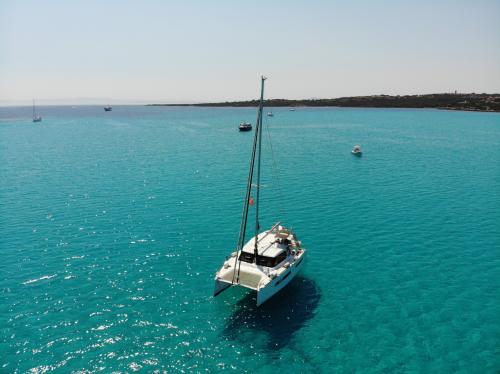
[[270, 244]]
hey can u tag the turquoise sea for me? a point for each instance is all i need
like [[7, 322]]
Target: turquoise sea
[[112, 226]]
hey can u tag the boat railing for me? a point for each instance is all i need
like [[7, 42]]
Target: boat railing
[[272, 230]]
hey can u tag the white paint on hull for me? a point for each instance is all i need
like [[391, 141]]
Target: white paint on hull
[[277, 284]]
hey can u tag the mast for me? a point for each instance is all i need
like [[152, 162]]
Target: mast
[[257, 199], [33, 108], [244, 218]]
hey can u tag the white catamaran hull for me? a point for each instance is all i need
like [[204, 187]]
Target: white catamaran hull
[[220, 286], [270, 289], [264, 280], [277, 284]]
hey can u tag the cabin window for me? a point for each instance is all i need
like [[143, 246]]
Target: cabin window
[[263, 260], [246, 257], [279, 259]]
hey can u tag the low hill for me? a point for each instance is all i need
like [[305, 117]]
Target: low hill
[[471, 101]]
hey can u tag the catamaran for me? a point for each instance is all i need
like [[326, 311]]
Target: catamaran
[[36, 117], [272, 258]]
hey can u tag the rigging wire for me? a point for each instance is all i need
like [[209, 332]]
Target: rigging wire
[[275, 173]]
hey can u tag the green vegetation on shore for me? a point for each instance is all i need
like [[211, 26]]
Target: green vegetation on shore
[[457, 101]]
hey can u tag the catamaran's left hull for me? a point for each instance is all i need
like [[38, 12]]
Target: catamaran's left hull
[[220, 286]]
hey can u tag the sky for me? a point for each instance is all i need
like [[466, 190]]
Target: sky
[[123, 51]]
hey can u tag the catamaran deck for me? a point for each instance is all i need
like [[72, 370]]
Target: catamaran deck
[[275, 255], [267, 244]]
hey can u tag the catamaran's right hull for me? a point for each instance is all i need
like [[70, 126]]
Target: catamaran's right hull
[[277, 284]]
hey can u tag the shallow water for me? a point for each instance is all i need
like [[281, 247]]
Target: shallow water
[[112, 226]]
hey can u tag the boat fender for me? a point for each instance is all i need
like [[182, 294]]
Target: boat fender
[[233, 254], [227, 266]]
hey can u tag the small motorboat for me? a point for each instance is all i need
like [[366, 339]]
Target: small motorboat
[[245, 126], [356, 150], [270, 114], [108, 108], [292, 109]]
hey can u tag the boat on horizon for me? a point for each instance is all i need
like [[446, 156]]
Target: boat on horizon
[[245, 126], [108, 108], [36, 117], [270, 114], [272, 258]]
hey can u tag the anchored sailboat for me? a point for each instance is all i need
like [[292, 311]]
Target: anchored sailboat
[[272, 258], [36, 117]]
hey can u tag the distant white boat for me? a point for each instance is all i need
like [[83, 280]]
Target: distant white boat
[[356, 150], [36, 117], [292, 109], [270, 114]]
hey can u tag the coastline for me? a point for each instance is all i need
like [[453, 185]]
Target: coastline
[[461, 102]]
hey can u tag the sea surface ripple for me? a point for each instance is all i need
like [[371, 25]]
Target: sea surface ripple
[[112, 226]]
